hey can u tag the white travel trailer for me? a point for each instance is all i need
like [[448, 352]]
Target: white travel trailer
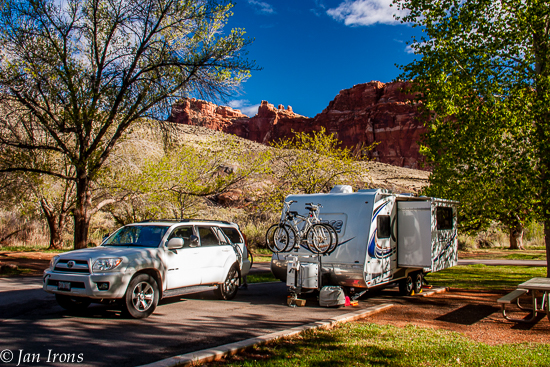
[[382, 238]]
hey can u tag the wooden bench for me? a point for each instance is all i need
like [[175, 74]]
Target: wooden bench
[[511, 297]]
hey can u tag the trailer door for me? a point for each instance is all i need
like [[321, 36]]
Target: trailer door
[[414, 238]]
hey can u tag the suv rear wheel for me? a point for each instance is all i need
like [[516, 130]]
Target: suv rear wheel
[[141, 297], [228, 289]]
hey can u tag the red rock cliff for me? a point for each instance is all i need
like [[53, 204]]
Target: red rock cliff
[[359, 116]]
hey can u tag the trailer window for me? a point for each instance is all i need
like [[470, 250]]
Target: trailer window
[[384, 226], [444, 218]]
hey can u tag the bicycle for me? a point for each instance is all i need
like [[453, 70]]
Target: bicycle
[[293, 228]]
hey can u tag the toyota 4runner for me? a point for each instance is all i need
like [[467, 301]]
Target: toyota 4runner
[[143, 262]]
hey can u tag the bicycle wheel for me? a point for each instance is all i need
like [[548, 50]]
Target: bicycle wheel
[[277, 238], [319, 239], [334, 236]]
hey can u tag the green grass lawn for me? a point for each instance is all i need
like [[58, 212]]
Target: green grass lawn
[[363, 344], [485, 277], [32, 249], [532, 253], [261, 278]]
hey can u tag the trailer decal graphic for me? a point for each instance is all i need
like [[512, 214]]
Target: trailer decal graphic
[[377, 210], [444, 250], [374, 249]]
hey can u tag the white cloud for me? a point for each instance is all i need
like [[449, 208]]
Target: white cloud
[[262, 7], [409, 49], [365, 12], [245, 106]]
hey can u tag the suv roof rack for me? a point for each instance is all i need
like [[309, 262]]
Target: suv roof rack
[[186, 220]]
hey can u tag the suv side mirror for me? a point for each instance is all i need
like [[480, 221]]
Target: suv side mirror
[[175, 243], [194, 241]]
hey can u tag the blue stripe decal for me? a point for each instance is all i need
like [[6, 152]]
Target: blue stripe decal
[[377, 210]]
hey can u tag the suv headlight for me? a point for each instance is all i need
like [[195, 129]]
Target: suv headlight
[[52, 262], [106, 264]]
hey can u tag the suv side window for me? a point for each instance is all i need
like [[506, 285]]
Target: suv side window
[[184, 233], [207, 237], [233, 234]]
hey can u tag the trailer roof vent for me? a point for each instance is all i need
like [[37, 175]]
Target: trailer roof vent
[[342, 189]]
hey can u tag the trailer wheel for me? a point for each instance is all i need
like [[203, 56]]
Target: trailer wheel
[[418, 280], [406, 286]]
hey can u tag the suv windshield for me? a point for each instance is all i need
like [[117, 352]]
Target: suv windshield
[[144, 236]]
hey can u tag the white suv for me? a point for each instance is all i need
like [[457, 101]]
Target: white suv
[[143, 262]]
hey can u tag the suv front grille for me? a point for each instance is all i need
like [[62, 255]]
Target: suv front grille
[[72, 266]]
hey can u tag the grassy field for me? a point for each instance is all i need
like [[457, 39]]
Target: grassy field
[[485, 277], [363, 344], [261, 278], [531, 253]]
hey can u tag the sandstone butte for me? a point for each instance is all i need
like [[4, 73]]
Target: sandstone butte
[[359, 116]]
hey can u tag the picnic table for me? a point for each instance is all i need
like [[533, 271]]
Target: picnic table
[[536, 287]]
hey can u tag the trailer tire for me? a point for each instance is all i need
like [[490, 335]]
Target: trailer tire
[[406, 286], [418, 280]]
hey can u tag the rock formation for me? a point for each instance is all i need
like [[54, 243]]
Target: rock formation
[[359, 116]]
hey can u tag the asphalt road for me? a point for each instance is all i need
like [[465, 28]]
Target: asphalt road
[[31, 324]]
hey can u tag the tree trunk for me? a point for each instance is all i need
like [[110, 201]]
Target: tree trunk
[[82, 213], [516, 237], [547, 243], [56, 229], [56, 224]]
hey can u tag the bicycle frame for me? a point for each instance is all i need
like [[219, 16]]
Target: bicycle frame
[[299, 224]]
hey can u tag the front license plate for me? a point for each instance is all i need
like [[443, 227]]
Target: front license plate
[[64, 286]]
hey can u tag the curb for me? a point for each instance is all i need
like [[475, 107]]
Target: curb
[[212, 354]]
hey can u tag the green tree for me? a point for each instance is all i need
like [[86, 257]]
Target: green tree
[[484, 75], [175, 182], [310, 163], [75, 75]]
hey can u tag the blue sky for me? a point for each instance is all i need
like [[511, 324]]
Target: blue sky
[[311, 49]]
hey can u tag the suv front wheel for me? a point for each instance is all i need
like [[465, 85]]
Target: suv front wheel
[[141, 297], [228, 289]]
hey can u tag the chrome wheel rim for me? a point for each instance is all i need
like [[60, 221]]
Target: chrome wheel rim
[[409, 285], [418, 282], [143, 296], [230, 284]]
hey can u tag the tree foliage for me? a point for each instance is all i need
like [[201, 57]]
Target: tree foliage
[[75, 75], [483, 75], [174, 184], [310, 163]]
